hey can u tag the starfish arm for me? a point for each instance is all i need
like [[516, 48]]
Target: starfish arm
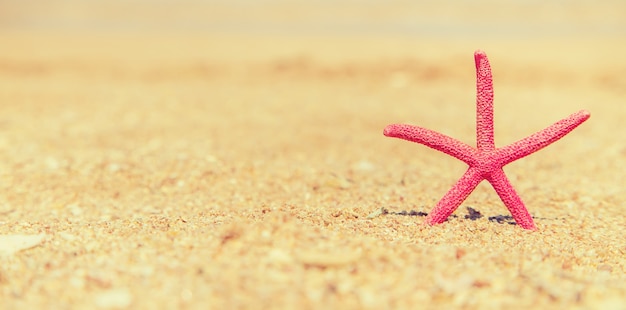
[[454, 197], [511, 199], [432, 139], [543, 138], [484, 103]]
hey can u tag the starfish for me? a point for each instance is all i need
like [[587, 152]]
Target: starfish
[[485, 161]]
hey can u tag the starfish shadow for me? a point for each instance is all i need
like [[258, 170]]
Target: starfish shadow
[[473, 215]]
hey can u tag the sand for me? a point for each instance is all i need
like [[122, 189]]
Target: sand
[[242, 170]]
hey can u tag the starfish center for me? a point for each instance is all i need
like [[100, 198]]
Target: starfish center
[[487, 162]]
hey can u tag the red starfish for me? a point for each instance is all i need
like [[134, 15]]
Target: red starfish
[[486, 161]]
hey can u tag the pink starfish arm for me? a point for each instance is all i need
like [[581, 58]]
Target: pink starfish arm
[[455, 196], [543, 138], [511, 199], [432, 139], [484, 103]]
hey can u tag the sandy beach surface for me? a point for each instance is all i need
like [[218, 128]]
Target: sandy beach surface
[[218, 155]]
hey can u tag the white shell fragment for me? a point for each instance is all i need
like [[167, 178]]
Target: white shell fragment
[[11, 244]]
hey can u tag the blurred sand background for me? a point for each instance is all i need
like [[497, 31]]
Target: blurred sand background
[[227, 154]]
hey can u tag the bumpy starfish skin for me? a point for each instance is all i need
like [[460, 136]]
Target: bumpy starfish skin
[[485, 161]]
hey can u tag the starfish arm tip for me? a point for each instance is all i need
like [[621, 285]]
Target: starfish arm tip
[[389, 130], [478, 55], [528, 225], [585, 114]]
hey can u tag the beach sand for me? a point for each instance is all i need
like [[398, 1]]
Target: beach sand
[[229, 169]]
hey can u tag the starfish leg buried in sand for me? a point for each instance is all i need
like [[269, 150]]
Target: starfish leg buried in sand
[[485, 161]]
